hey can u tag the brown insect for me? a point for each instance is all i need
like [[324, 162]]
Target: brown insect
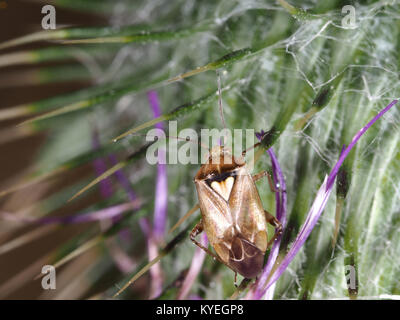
[[232, 214]]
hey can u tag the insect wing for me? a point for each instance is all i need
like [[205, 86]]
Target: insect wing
[[215, 212], [247, 211]]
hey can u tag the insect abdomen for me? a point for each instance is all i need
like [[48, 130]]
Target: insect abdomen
[[245, 257]]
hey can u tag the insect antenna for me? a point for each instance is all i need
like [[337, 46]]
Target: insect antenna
[[220, 106]]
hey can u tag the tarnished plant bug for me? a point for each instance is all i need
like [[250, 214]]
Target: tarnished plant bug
[[232, 214]]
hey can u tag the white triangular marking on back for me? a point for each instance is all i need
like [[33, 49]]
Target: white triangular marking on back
[[223, 188]]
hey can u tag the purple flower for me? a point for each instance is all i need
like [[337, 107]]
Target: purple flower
[[315, 212]]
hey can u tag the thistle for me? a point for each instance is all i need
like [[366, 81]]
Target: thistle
[[318, 83]]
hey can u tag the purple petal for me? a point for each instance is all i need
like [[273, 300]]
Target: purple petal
[[161, 195], [195, 268], [318, 206], [98, 215], [335, 170], [102, 214], [122, 260], [145, 226], [152, 96], [281, 209], [155, 271], [156, 235], [122, 179], [106, 189], [161, 200]]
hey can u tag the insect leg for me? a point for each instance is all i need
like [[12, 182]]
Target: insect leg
[[235, 283], [198, 228], [274, 222], [262, 174]]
